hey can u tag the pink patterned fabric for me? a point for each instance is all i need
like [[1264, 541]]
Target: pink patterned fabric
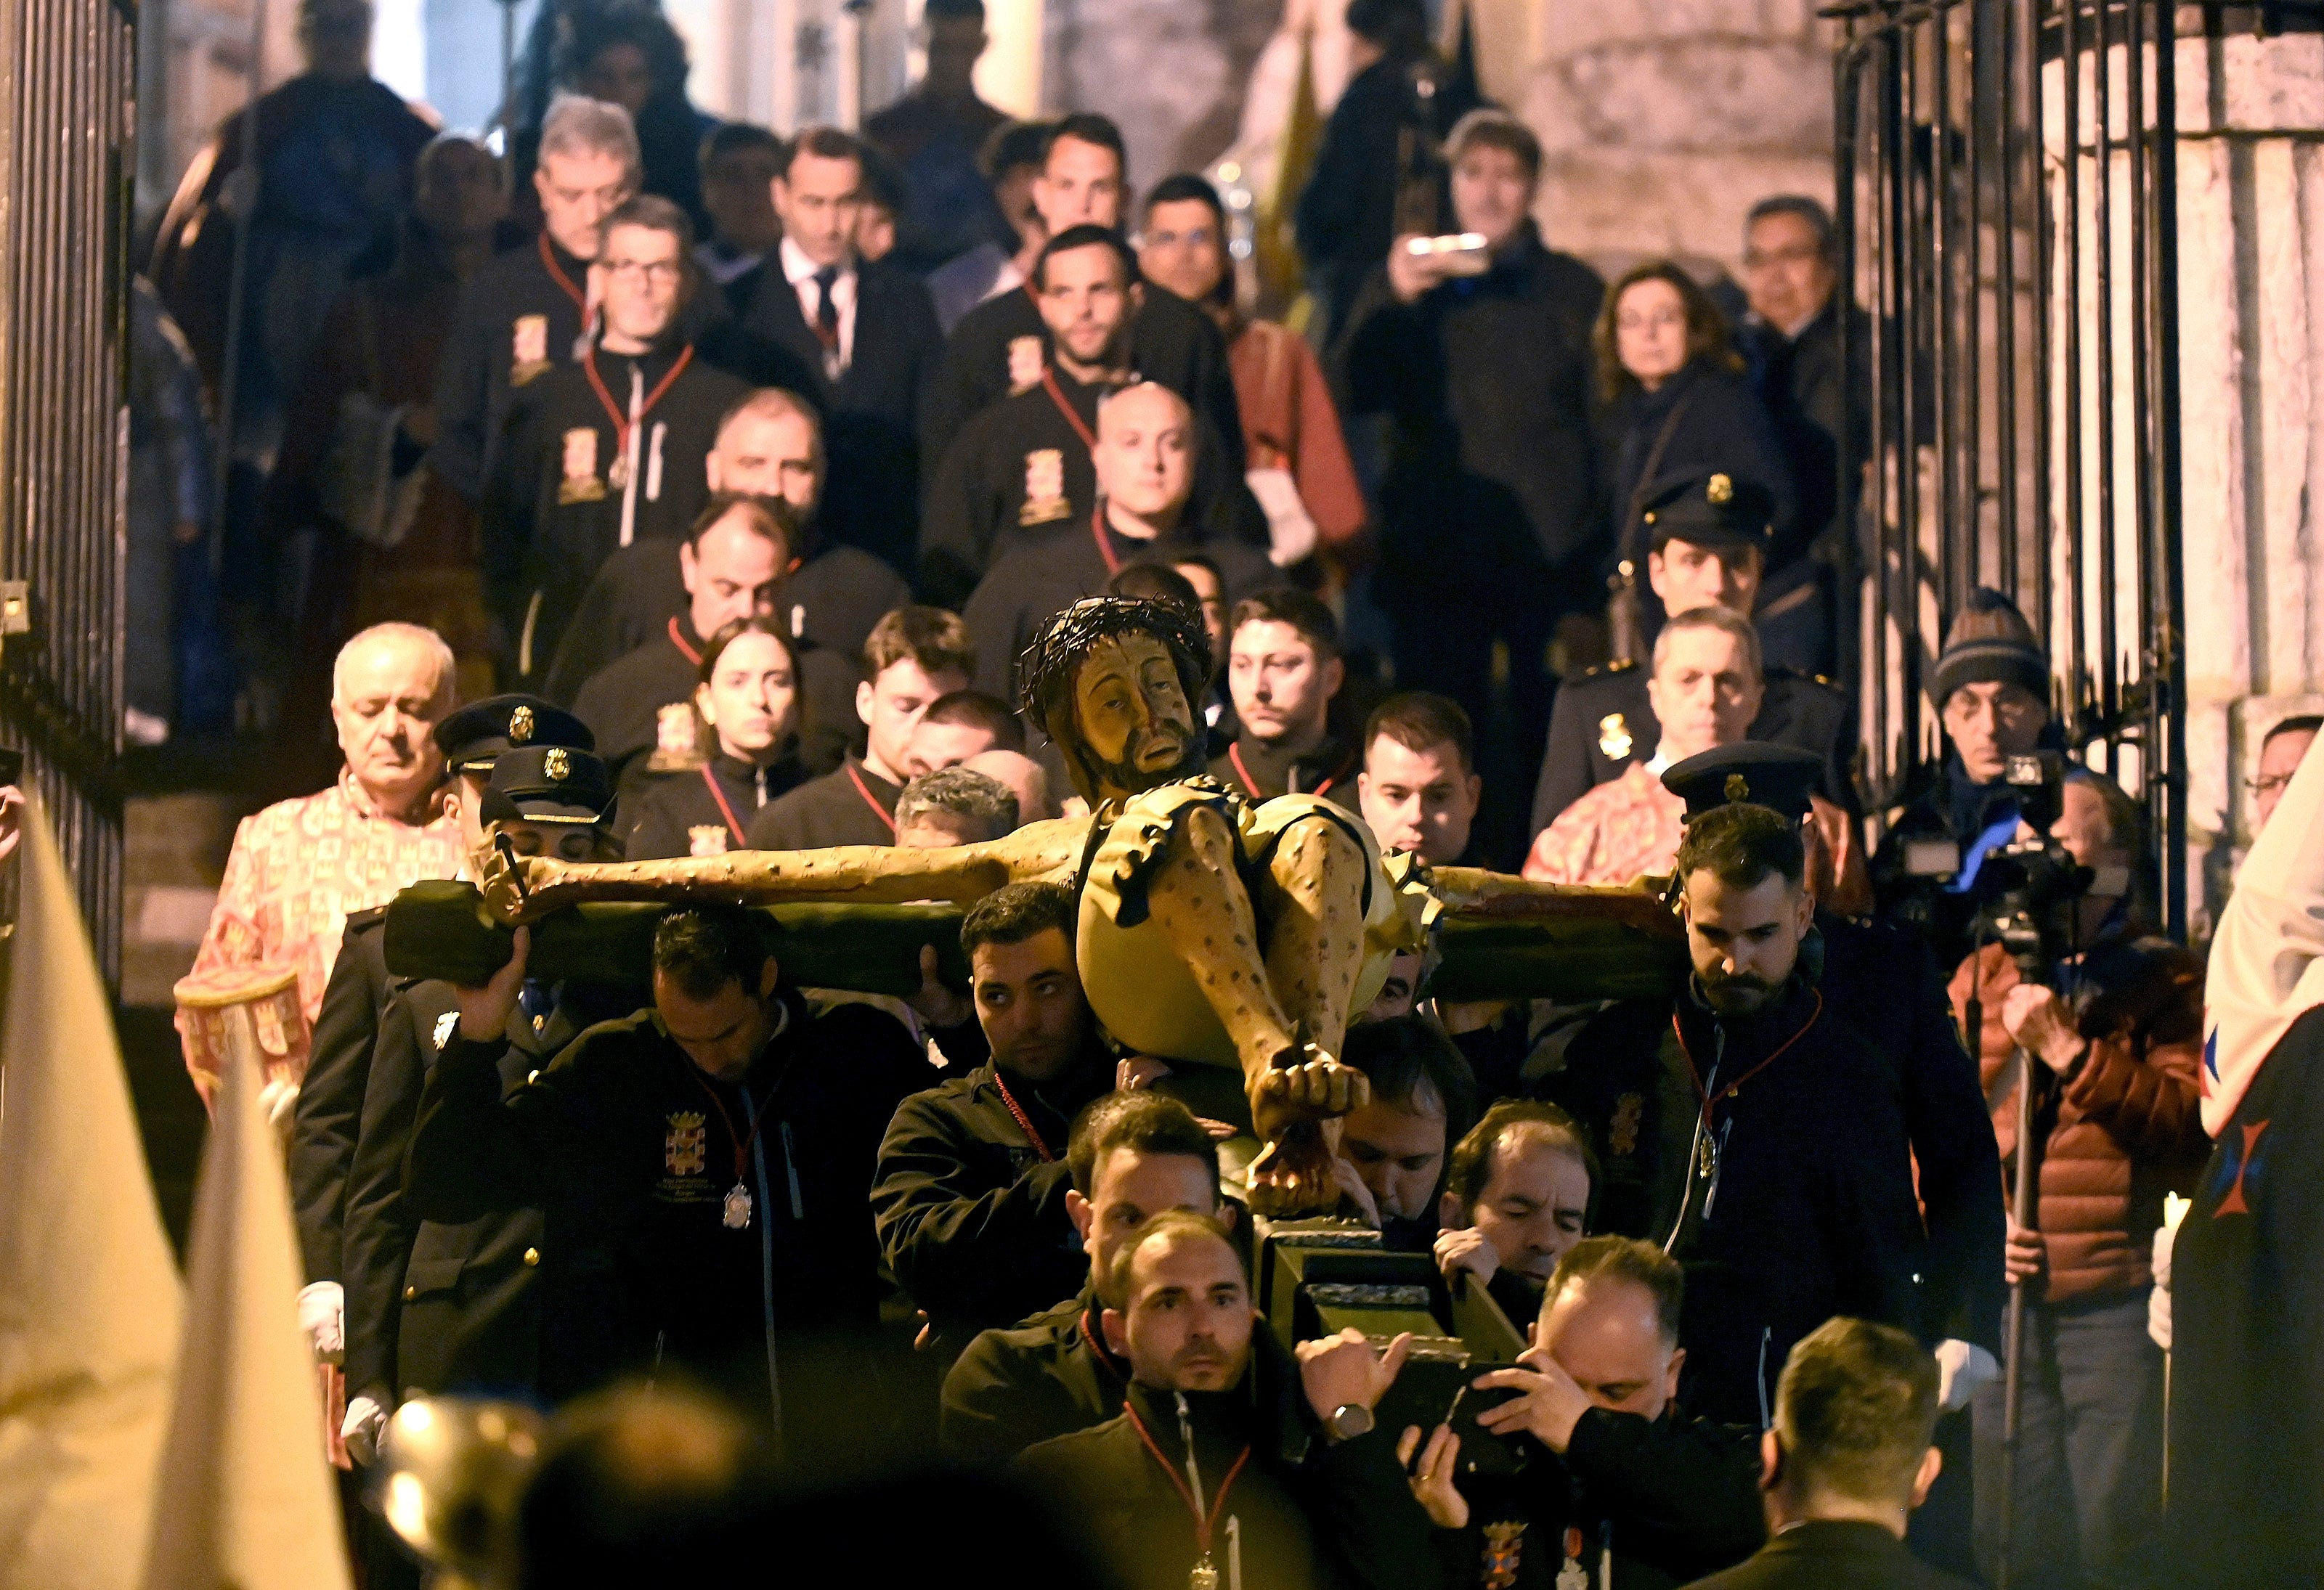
[[1614, 835]]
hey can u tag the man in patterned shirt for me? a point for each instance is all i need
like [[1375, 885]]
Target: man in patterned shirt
[[301, 866], [1706, 688]]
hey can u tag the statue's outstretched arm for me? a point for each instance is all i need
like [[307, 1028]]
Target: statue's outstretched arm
[[526, 888]]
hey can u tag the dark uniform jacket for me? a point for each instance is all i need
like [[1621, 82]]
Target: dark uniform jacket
[[676, 814], [435, 1307], [1263, 771], [1025, 588], [872, 410], [1000, 347], [553, 512], [833, 599], [1487, 382], [1050, 1376], [2248, 1337], [972, 1214], [1836, 1553], [1019, 474], [330, 1108], [1602, 722], [641, 709], [850, 805], [1304, 1511], [519, 318], [621, 1130], [1794, 1204], [1671, 1499]]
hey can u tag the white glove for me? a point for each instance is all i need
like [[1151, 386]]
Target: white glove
[[361, 1429], [1961, 1368], [278, 1101], [323, 1316], [2158, 1301]]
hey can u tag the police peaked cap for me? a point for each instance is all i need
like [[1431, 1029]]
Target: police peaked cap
[[1719, 510], [1777, 776], [471, 737], [547, 783]]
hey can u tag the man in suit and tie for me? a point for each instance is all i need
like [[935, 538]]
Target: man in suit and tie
[[867, 334]]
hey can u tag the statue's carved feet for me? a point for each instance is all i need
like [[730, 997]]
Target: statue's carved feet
[[1292, 1175]]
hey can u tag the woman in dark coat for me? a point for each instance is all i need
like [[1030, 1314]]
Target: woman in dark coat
[[748, 695], [1677, 406]]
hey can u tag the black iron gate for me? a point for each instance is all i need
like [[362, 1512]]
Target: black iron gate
[[66, 70], [2006, 187]]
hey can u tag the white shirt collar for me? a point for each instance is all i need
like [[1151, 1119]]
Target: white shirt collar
[[798, 268]]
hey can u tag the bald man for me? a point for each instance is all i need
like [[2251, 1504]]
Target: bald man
[[1143, 467], [1020, 473], [770, 445]]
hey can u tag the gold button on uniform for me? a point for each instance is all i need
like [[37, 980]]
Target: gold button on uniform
[[532, 1256], [411, 1292]]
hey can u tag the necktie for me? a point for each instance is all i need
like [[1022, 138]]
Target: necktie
[[826, 315]]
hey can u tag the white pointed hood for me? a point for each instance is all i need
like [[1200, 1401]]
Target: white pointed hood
[[2268, 959]]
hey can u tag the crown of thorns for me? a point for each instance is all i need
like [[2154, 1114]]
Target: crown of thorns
[[1046, 669]]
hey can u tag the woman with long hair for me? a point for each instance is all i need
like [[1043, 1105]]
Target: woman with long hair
[[748, 695]]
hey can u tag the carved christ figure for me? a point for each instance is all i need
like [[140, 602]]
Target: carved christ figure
[[1212, 931]]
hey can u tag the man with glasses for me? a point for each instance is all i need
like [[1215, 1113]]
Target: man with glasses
[[2279, 758], [607, 451]]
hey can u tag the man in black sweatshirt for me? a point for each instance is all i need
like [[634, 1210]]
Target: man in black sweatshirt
[[1231, 1463], [717, 1147], [1613, 1469]]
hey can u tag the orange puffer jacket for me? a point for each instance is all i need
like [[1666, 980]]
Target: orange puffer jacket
[[2125, 1127]]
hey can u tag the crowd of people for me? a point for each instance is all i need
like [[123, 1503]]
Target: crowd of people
[[673, 489]]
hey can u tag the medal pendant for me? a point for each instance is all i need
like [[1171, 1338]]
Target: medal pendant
[[737, 1215], [1706, 1158], [617, 474], [1572, 1576], [1206, 1576]]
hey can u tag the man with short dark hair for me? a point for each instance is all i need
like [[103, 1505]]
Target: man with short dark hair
[[2279, 751], [1847, 1460], [933, 134], [1419, 787], [914, 655], [1230, 1460], [1132, 1155], [867, 335], [969, 1197], [597, 455], [1518, 1188], [641, 707], [1021, 472], [1779, 1173], [1491, 524], [769, 446], [739, 163], [1000, 347], [1394, 1148], [1633, 1492], [1010, 163], [960, 725], [1283, 673], [718, 1144], [1709, 547]]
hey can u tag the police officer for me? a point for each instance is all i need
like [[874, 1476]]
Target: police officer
[[999, 346], [716, 1147], [1710, 539], [641, 707], [1019, 474], [326, 1122], [1746, 1126], [769, 446], [609, 451], [522, 315], [435, 1307]]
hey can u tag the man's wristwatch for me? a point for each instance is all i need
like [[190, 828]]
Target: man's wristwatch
[[1348, 1421]]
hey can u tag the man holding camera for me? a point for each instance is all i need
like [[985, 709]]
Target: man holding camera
[[1232, 1462], [1628, 1486], [2111, 1033]]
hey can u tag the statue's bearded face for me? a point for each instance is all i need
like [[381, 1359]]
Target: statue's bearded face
[[1135, 721]]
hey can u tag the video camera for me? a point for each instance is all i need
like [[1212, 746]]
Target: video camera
[[2023, 891], [1318, 1277]]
